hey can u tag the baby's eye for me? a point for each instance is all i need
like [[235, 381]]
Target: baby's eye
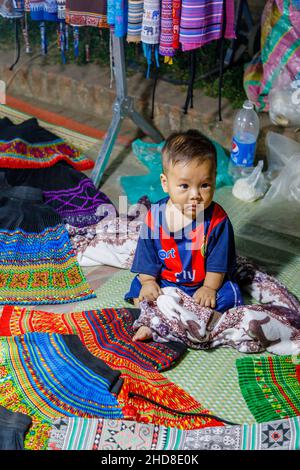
[[183, 186], [205, 186]]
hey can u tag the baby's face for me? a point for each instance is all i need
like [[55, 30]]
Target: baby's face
[[190, 186]]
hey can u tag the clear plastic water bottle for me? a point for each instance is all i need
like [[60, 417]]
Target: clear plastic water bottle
[[245, 133]]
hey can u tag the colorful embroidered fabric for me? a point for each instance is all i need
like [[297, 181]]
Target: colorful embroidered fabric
[[37, 261], [166, 31], [176, 12], [80, 206], [46, 376], [135, 18], [270, 386], [43, 10], [83, 13], [110, 435], [202, 22], [108, 335], [28, 145]]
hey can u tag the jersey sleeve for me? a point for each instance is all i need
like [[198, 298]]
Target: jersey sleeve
[[220, 253], [146, 260]]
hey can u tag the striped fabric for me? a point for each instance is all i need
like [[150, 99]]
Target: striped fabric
[[202, 22], [166, 31], [270, 386], [46, 376], [110, 435], [107, 335], [280, 51], [135, 18]]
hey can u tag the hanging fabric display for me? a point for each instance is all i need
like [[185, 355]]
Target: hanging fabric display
[[176, 11], [8, 9], [117, 16], [202, 22], [166, 34], [151, 31], [135, 18], [43, 10], [83, 13]]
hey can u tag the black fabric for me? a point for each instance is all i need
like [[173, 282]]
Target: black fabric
[[56, 177], [92, 362], [28, 130], [22, 207], [13, 427]]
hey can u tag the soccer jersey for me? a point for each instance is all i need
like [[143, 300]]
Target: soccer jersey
[[184, 257]]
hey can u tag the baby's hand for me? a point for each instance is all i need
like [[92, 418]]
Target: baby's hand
[[150, 291], [205, 297]]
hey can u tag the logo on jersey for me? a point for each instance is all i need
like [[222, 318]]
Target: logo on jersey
[[163, 254]]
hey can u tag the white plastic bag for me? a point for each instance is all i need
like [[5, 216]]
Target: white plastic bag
[[284, 100], [287, 184], [280, 149], [252, 188]]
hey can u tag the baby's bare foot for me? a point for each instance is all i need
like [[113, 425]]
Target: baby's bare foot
[[142, 334]]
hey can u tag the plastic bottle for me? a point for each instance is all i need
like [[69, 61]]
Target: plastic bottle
[[245, 133]]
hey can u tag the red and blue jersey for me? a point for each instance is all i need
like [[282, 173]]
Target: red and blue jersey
[[184, 257]]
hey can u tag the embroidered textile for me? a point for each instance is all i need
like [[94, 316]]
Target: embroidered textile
[[100, 434], [80, 206], [28, 145], [270, 386], [37, 261], [45, 10], [46, 376], [166, 31], [176, 12], [107, 334], [151, 22], [82, 13]]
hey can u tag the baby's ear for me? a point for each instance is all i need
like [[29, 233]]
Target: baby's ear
[[164, 182]]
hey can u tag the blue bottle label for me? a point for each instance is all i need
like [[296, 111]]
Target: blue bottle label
[[242, 154]]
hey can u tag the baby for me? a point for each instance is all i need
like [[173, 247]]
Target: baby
[[187, 239]]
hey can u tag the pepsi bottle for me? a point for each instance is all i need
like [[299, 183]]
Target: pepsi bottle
[[245, 133]]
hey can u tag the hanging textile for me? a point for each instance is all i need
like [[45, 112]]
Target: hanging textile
[[135, 18], [151, 31], [202, 22], [280, 51], [176, 12], [8, 9], [166, 32], [86, 13], [45, 10], [117, 16]]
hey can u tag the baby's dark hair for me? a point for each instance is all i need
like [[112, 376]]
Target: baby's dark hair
[[187, 146]]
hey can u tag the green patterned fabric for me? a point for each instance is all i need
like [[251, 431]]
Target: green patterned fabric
[[270, 386]]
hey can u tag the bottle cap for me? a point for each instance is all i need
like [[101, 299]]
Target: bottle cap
[[248, 105]]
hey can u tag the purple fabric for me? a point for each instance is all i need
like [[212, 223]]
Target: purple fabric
[[81, 205]]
